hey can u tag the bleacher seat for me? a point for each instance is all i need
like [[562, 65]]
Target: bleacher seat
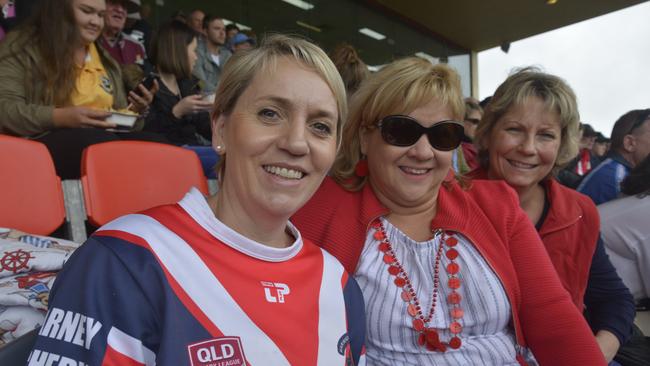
[[122, 177], [30, 195]]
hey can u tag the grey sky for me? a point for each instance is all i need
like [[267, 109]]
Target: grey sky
[[606, 60]]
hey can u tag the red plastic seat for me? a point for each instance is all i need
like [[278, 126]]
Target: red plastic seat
[[123, 177], [31, 198]]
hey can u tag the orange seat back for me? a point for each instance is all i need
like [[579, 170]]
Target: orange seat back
[[31, 198], [123, 177]]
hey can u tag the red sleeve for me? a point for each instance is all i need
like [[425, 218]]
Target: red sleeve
[[553, 327]]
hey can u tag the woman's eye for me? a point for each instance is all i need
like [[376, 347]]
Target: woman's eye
[[548, 135], [268, 113], [322, 128]]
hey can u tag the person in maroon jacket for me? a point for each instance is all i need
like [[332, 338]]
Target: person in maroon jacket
[[530, 132], [452, 272]]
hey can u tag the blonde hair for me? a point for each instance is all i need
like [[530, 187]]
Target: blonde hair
[[556, 94], [242, 67], [398, 88]]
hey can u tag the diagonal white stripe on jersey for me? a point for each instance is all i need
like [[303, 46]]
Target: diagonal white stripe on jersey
[[331, 325], [130, 347], [196, 279]]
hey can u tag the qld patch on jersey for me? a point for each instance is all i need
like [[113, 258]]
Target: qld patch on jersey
[[105, 83], [222, 351]]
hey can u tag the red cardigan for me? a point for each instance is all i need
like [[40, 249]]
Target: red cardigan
[[569, 233], [488, 215]]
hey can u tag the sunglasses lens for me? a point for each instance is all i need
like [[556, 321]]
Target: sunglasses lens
[[445, 136], [400, 131]]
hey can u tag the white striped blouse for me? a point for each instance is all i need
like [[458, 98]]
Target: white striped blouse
[[487, 338]]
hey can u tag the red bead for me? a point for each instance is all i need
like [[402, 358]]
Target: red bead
[[454, 283], [389, 259], [457, 313], [383, 247], [453, 268], [376, 224], [451, 241], [418, 324], [455, 343], [394, 270], [455, 327], [400, 282], [452, 254], [421, 339], [454, 298], [405, 296], [431, 336], [379, 235], [412, 310]]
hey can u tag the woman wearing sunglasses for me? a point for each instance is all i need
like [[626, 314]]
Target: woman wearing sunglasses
[[446, 268], [528, 133]]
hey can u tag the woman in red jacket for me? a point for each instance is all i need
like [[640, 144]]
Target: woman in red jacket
[[451, 273], [528, 133]]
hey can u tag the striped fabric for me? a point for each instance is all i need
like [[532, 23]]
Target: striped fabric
[[391, 340]]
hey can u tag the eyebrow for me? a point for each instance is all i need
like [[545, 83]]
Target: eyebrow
[[286, 103]]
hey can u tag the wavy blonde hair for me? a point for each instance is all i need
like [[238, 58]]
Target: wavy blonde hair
[[398, 88], [556, 94]]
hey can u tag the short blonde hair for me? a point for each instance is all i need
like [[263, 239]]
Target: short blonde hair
[[398, 88], [242, 67], [556, 94]]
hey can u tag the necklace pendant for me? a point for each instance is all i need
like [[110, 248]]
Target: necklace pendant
[[406, 296], [432, 340], [412, 310]]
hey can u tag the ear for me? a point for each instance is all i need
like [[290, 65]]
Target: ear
[[219, 133], [629, 143]]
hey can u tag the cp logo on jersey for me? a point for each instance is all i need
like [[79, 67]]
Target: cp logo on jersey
[[275, 291]]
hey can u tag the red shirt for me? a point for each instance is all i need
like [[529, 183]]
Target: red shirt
[[488, 214]]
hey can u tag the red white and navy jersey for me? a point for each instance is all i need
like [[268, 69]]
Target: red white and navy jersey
[[174, 286]]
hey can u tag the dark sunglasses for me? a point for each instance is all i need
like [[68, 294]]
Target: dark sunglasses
[[401, 130]]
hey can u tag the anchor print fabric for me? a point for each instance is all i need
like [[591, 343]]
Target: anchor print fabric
[[28, 267]]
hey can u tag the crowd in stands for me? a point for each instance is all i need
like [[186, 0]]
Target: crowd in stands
[[503, 232]]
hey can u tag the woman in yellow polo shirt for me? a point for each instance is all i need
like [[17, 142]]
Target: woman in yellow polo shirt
[[55, 83]]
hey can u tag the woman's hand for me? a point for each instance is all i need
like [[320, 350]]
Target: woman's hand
[[191, 104], [75, 117], [139, 102], [608, 344]]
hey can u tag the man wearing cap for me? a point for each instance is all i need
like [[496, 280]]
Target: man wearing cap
[[120, 46], [211, 54], [584, 162], [630, 145], [241, 42]]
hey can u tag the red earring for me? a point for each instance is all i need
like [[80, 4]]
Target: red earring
[[361, 169]]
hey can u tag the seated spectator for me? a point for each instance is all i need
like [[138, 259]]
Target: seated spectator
[[212, 55], [138, 26], [242, 42], [473, 115], [55, 85], [226, 279], [351, 67], [120, 46], [528, 133], [179, 111], [584, 161], [195, 21], [630, 145], [626, 230], [231, 30], [601, 146]]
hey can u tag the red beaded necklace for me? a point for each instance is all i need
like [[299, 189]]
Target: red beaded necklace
[[427, 336]]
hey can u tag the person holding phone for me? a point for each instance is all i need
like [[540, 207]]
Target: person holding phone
[[179, 112], [58, 86]]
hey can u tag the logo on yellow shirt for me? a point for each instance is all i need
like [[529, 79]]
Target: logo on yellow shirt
[[105, 83]]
